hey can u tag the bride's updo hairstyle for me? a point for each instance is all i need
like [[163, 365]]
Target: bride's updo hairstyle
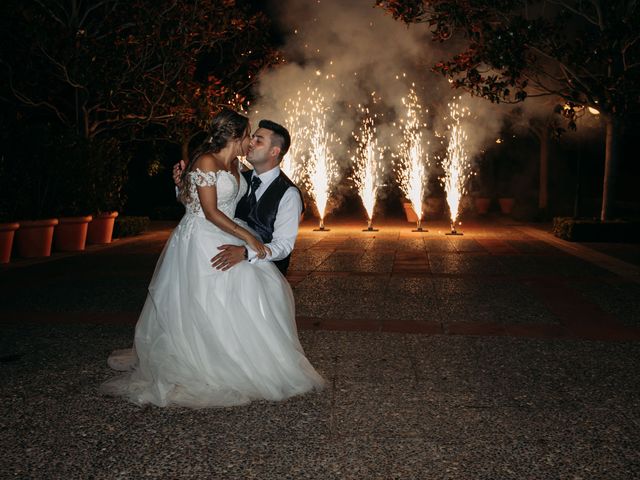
[[224, 127]]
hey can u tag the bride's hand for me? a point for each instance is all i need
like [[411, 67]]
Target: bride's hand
[[260, 248]]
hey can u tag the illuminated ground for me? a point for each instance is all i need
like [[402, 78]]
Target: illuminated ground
[[501, 353]]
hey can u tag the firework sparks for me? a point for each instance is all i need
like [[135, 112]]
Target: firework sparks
[[367, 162], [413, 157], [292, 163], [456, 165], [310, 159], [320, 167]]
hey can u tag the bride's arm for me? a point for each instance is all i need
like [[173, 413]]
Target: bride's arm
[[177, 170], [207, 192]]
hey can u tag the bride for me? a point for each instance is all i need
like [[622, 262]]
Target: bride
[[209, 337]]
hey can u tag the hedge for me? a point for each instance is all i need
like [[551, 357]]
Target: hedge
[[594, 230], [129, 226]]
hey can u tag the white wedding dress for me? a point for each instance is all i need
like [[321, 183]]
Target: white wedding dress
[[206, 337]]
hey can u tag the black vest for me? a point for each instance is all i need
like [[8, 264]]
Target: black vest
[[263, 216]]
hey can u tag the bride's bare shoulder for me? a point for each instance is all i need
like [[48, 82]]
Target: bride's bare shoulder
[[205, 163]]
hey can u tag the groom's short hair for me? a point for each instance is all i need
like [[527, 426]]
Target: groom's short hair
[[280, 136]]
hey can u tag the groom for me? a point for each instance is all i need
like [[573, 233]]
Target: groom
[[273, 204]]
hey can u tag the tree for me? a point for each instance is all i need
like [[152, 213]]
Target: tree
[[138, 67], [585, 52], [544, 127]]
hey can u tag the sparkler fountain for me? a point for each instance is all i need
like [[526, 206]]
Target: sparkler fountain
[[455, 164], [293, 163], [367, 162], [310, 160], [413, 158], [320, 168]]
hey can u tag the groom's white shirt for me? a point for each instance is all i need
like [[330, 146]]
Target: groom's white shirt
[[285, 227]]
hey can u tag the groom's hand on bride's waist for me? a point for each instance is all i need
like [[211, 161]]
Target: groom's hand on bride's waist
[[177, 171], [229, 256]]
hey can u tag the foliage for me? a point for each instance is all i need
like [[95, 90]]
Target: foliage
[[585, 52], [29, 179], [8, 199], [107, 174], [90, 175], [168, 212], [129, 226], [138, 67], [48, 171], [594, 230], [81, 79]]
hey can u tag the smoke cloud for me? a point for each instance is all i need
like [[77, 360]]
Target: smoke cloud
[[351, 50], [351, 54]]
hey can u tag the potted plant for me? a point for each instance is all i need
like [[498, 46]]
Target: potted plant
[[101, 228], [409, 211], [73, 196], [480, 187], [7, 232], [506, 200], [30, 181], [506, 203], [481, 198], [434, 207], [71, 233], [109, 166], [8, 226], [505, 178], [34, 238], [482, 204]]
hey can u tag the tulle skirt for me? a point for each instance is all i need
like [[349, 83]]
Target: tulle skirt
[[209, 338]]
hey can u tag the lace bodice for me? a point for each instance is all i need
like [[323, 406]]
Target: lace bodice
[[229, 191]]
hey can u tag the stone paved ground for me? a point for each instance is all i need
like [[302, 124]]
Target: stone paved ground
[[499, 354]]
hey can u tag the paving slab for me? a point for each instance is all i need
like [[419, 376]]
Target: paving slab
[[497, 354]]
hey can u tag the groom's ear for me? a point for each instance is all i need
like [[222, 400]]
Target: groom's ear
[[275, 151]]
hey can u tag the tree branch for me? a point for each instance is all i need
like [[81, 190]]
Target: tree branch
[[51, 13], [63, 69], [563, 66], [27, 101], [578, 12], [95, 7]]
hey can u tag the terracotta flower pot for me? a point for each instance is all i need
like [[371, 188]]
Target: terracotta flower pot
[[34, 238], [506, 205], [482, 205], [412, 217], [7, 232], [101, 228], [434, 207], [71, 234]]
